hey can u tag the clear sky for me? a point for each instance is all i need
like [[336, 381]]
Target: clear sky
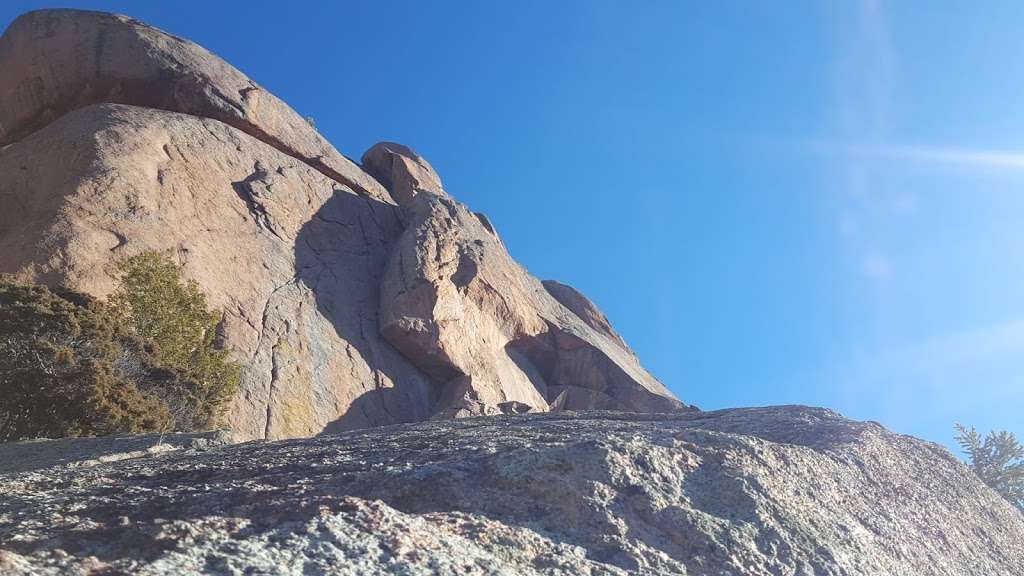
[[774, 202]]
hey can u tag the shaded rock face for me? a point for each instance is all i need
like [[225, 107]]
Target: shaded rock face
[[784, 490], [583, 308], [349, 303]]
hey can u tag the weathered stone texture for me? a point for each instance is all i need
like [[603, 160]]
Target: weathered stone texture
[[763, 491]]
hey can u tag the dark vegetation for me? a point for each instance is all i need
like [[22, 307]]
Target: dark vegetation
[[998, 459], [145, 360]]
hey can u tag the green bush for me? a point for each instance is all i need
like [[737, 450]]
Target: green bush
[[68, 369], [147, 360], [171, 316], [998, 460]]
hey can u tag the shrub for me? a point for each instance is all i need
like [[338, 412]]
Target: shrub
[[998, 460], [145, 361], [171, 316], [68, 369]]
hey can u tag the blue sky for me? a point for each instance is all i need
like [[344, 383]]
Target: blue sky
[[774, 202]]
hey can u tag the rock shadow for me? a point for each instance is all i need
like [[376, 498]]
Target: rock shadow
[[341, 254]]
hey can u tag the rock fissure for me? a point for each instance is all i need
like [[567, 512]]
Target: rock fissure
[[265, 317], [272, 390]]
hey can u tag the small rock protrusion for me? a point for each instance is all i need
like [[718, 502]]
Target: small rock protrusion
[[512, 408], [402, 171]]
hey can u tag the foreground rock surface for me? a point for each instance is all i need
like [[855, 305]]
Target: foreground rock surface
[[785, 490]]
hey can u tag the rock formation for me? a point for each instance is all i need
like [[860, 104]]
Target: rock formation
[[788, 490], [353, 296], [362, 295], [55, 61], [457, 305]]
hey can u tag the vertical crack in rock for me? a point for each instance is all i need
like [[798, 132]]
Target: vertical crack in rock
[[272, 386], [266, 312], [272, 389]]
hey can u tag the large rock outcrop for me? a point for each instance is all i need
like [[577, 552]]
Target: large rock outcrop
[[55, 61], [292, 257], [350, 303], [457, 305], [763, 491]]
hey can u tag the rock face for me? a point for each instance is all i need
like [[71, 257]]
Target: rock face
[[403, 172], [55, 61], [786, 490], [455, 303], [352, 297], [292, 257]]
